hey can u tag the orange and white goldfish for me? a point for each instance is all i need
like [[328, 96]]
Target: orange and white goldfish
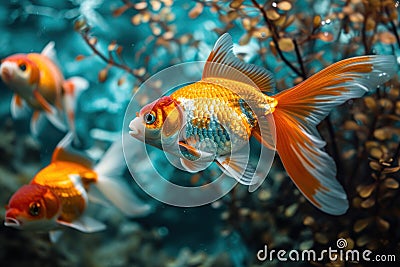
[[39, 84], [59, 194], [222, 102]]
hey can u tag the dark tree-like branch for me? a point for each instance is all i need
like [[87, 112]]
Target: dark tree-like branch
[[275, 38]]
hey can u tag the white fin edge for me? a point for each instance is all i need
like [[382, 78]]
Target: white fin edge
[[223, 63], [84, 224], [112, 185]]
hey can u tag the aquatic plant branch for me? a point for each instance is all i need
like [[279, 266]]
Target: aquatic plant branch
[[299, 59], [233, 211], [349, 182], [275, 38], [393, 28], [262, 55], [110, 59], [370, 136], [127, 3], [335, 151], [396, 159], [364, 35]]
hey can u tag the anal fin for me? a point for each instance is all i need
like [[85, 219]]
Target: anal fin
[[37, 123], [237, 166], [84, 224], [194, 166], [51, 112], [18, 107], [71, 91]]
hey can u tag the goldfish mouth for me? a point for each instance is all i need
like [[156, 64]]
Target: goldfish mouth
[[12, 222], [135, 132], [6, 75]]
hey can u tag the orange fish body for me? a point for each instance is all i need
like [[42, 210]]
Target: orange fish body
[[71, 190], [214, 118], [211, 97], [59, 193], [54, 194], [38, 83], [45, 77]]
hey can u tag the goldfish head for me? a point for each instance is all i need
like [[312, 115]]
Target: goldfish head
[[18, 71], [33, 207], [158, 123]]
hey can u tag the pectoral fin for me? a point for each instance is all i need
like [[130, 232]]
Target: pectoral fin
[[194, 166], [84, 224], [42, 101], [265, 132], [50, 111], [237, 166], [185, 148]]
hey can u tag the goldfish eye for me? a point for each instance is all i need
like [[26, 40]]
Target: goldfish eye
[[149, 118], [22, 66], [34, 208]]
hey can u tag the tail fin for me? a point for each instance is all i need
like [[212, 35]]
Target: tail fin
[[72, 88], [112, 185], [301, 108]]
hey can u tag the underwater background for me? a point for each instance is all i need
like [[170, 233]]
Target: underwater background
[[117, 45]]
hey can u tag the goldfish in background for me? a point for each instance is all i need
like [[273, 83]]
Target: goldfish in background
[[39, 84], [196, 112], [59, 194]]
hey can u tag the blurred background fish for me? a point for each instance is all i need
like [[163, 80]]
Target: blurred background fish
[[59, 194], [39, 84]]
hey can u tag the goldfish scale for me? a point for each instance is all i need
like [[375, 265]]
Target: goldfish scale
[[221, 110]]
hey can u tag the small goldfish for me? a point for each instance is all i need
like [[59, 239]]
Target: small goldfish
[[59, 194], [39, 84], [226, 109]]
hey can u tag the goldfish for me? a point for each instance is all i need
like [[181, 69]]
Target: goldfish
[[38, 84], [59, 194], [214, 118]]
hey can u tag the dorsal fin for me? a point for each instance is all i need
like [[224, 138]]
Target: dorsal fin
[[222, 53], [65, 152], [50, 51]]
